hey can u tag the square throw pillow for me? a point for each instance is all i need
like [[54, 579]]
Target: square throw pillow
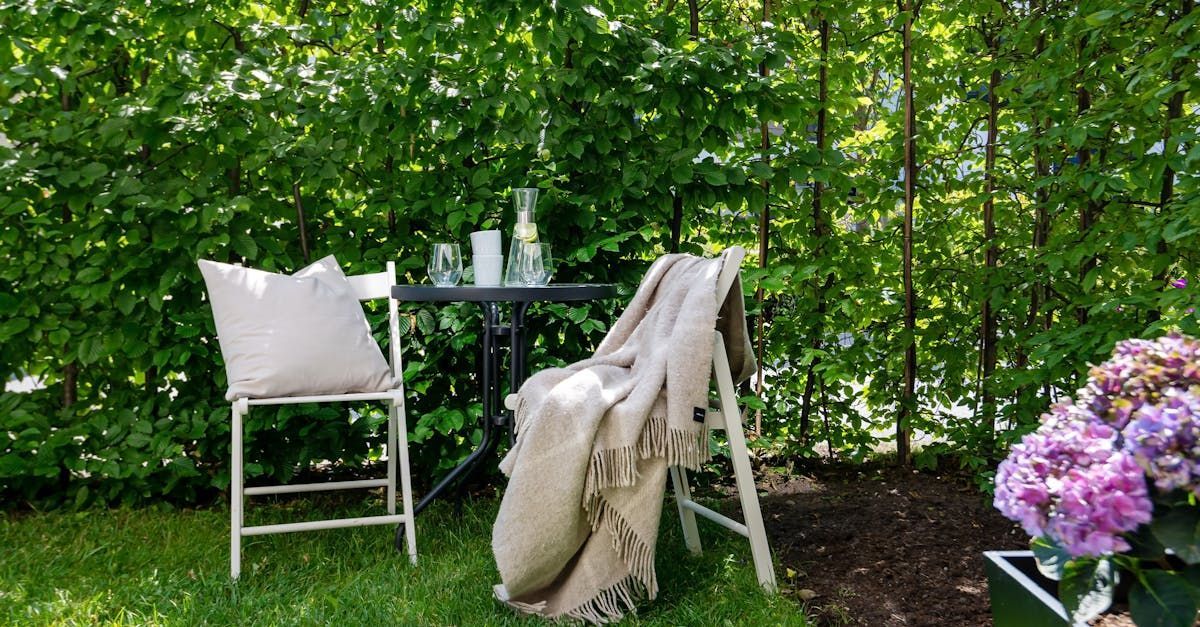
[[297, 335]]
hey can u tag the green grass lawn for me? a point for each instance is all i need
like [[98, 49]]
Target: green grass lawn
[[165, 566]]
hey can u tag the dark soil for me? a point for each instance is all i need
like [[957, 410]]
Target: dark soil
[[885, 546]]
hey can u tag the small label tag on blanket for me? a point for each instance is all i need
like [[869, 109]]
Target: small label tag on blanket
[[698, 414]]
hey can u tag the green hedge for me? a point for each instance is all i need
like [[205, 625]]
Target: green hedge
[[141, 137]]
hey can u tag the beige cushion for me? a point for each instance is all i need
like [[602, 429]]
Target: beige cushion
[[297, 335]]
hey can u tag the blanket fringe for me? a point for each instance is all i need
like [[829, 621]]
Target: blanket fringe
[[679, 447], [609, 605], [617, 467], [611, 468], [637, 556]]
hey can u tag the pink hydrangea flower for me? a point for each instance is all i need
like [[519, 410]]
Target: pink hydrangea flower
[[1069, 480], [1083, 477]]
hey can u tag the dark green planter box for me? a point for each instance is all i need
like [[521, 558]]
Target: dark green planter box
[[1021, 596]]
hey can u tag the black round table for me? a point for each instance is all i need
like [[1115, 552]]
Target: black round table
[[490, 299]]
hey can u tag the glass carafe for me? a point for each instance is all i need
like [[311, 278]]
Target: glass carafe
[[525, 231]]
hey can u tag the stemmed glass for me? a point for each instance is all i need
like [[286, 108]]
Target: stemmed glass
[[445, 265]]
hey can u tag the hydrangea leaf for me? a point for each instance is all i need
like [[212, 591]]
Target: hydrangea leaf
[[1179, 530], [1162, 599], [1050, 557], [1144, 544], [1086, 588]]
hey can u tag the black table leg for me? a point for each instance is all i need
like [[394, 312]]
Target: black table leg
[[490, 388], [518, 353]]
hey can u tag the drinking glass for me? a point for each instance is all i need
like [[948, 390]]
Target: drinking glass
[[445, 265], [535, 264]]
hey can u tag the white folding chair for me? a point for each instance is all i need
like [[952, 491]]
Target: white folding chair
[[728, 417], [725, 417], [366, 287]]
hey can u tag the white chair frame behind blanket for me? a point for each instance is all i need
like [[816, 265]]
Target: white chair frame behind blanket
[[366, 287], [726, 417]]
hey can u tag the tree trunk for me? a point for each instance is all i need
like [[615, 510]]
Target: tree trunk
[[908, 401], [1167, 191], [70, 369], [764, 233], [820, 233], [1039, 292], [676, 225], [1088, 209], [676, 221], [987, 321]]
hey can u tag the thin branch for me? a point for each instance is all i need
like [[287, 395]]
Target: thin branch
[[300, 220], [238, 44], [302, 43], [167, 158]]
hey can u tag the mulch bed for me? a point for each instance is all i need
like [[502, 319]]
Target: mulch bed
[[885, 546]]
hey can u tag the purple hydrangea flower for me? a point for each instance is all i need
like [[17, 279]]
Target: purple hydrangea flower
[[1081, 478], [1179, 283], [1137, 372], [1164, 438], [1069, 480]]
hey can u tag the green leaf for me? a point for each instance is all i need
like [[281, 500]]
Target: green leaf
[[368, 122], [1162, 599], [1143, 544], [10, 328], [682, 173], [425, 322], [1086, 588], [93, 171], [480, 176], [61, 133], [91, 349], [81, 497], [1099, 17], [244, 245], [715, 177], [1179, 530], [1050, 557]]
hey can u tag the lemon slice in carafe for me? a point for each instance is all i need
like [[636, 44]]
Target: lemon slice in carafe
[[526, 232]]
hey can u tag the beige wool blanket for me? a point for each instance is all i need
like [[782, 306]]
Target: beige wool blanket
[[577, 527]]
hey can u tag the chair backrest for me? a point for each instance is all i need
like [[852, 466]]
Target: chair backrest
[[730, 267], [374, 285], [379, 285]]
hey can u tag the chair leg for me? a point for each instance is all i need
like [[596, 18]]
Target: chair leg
[[410, 523], [748, 494], [742, 473], [391, 459], [235, 496], [687, 518]]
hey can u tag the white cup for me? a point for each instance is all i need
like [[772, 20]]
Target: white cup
[[488, 269], [485, 243]]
